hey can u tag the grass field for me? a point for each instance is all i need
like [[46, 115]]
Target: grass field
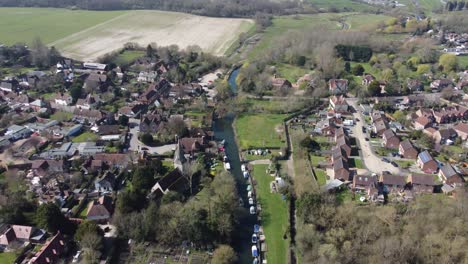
[[290, 72], [321, 176], [284, 24], [365, 22], [87, 35], [7, 257], [128, 56], [259, 131], [463, 62], [340, 5], [274, 217], [85, 137]]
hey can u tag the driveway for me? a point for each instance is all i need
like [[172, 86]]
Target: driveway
[[372, 161], [136, 145]]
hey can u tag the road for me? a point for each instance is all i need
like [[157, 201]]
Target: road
[[372, 161], [136, 145]]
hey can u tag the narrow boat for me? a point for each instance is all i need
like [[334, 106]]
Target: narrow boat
[[254, 251], [256, 228], [254, 239], [227, 166], [246, 174], [243, 168]]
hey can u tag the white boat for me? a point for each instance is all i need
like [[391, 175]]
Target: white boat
[[252, 210], [251, 201], [254, 251], [227, 166], [246, 174], [249, 194], [225, 158], [243, 168]]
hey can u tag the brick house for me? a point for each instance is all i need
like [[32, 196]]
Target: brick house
[[390, 140], [338, 86], [407, 150], [338, 104], [340, 169], [449, 176], [422, 122], [51, 251], [421, 183], [461, 130], [392, 183], [364, 183], [426, 163]]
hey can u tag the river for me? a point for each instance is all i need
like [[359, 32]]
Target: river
[[223, 129]]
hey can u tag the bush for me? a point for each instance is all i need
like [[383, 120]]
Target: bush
[[147, 139]]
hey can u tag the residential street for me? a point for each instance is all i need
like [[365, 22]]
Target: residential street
[[372, 161], [136, 145]]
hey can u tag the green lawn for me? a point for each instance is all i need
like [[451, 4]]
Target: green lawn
[[290, 72], [355, 163], [405, 163], [365, 22], [315, 160], [463, 61], [274, 217], [7, 257], [50, 24], [321, 176], [85, 137], [128, 57], [61, 116], [258, 131]]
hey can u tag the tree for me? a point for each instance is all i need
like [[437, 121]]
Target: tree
[[39, 53], [149, 51], [48, 216], [224, 254], [86, 227], [91, 243], [76, 90], [347, 66], [123, 120], [358, 70], [448, 62], [374, 88], [147, 139]]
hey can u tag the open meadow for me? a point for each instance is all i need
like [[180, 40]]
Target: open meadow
[[87, 35]]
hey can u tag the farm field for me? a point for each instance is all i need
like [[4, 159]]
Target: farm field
[[349, 5], [87, 35], [274, 216], [365, 22]]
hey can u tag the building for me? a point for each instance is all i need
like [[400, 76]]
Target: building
[[63, 99], [450, 114], [11, 234], [379, 126], [441, 84], [422, 122], [341, 170], [16, 132], [445, 136], [407, 150], [449, 176], [364, 183], [426, 163], [392, 183], [106, 182], [100, 210], [280, 83], [173, 181], [390, 140], [51, 251], [43, 168], [461, 130], [338, 104], [338, 86], [421, 183], [367, 79], [90, 102]]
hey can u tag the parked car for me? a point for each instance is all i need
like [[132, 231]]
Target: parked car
[[367, 139], [385, 160], [394, 164], [364, 129]]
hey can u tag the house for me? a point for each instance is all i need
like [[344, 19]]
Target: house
[[338, 86], [132, 111], [339, 104], [449, 176], [445, 136], [90, 102], [379, 126], [106, 182], [390, 140], [112, 160], [105, 130], [151, 123], [16, 132], [173, 181], [10, 234], [440, 84], [364, 183], [43, 168], [338, 153], [96, 82], [147, 76], [100, 210], [392, 183], [461, 130], [367, 79], [280, 83], [421, 183], [426, 163], [422, 122], [149, 95], [407, 150], [8, 85], [341, 169], [425, 112], [193, 145], [63, 99], [366, 109], [51, 251], [343, 143], [450, 114], [91, 116], [185, 91], [38, 104], [414, 85]]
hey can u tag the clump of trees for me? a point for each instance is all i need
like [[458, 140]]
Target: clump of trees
[[335, 232], [219, 8], [455, 5], [37, 54], [354, 53]]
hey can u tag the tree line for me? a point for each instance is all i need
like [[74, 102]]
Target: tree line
[[456, 6], [218, 8], [37, 54]]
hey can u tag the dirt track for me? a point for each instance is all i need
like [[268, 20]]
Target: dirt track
[[213, 35]]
